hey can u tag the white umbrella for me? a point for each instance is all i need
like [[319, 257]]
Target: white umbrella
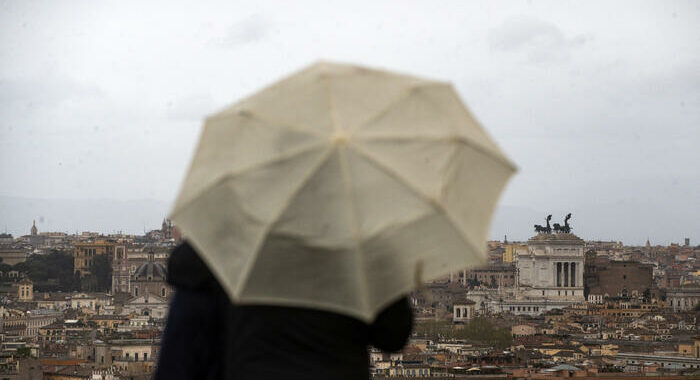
[[339, 188]]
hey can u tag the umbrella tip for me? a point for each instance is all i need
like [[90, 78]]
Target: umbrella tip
[[339, 138]]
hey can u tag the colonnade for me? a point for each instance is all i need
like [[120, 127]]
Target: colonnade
[[566, 274]]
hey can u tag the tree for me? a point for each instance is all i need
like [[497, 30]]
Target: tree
[[102, 270], [482, 330], [56, 266], [5, 267], [478, 330], [433, 329], [24, 352]]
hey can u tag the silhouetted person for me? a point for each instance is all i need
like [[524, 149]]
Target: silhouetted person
[[207, 337]]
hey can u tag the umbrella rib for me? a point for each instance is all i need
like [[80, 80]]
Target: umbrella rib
[[410, 90], [399, 225], [225, 177], [385, 110], [252, 115], [435, 204], [331, 105], [361, 266], [249, 265], [437, 107], [488, 153], [494, 153], [459, 139]]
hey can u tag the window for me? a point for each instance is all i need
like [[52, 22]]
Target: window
[[136, 356], [162, 292], [145, 356]]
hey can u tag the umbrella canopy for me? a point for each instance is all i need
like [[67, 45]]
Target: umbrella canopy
[[339, 188]]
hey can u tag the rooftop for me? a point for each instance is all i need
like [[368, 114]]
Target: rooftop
[[556, 237]]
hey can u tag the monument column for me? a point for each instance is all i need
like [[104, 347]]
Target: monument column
[[566, 275], [558, 274], [573, 275], [580, 275]]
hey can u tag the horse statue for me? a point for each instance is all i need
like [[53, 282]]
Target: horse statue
[[566, 228], [557, 228], [544, 229]]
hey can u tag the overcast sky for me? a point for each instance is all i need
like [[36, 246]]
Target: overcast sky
[[597, 102]]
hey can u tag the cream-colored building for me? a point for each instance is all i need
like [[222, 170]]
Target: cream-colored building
[[27, 324], [683, 298], [463, 311], [147, 304], [85, 253], [90, 303], [523, 330], [25, 290], [511, 251]]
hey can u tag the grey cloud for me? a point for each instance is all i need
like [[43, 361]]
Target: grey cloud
[[679, 80], [540, 40], [252, 29], [191, 108], [35, 93], [577, 98]]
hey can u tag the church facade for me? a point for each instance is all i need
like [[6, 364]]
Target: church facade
[[139, 272]]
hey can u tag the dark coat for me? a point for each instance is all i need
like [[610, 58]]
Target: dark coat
[[207, 337]]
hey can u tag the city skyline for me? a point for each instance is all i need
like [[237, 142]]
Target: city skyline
[[295, 189], [112, 217]]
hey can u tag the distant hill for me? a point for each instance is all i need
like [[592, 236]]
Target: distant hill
[[629, 222], [68, 215]]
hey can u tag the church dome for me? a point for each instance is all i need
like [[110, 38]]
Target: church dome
[[150, 271]]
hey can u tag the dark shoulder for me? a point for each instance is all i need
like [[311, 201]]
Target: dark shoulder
[[392, 327], [187, 270]]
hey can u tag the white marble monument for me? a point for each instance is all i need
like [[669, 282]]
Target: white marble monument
[[552, 267], [550, 276]]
